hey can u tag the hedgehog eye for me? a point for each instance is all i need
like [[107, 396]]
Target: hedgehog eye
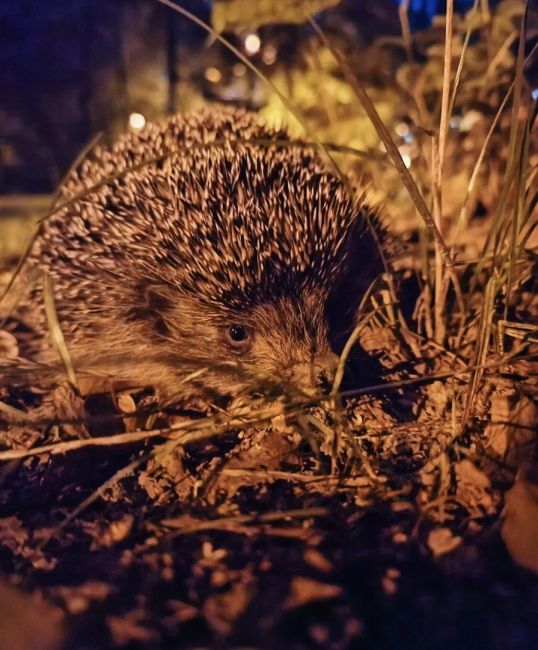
[[239, 337]]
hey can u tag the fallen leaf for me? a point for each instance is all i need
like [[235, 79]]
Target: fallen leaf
[[126, 403], [9, 348], [28, 623], [520, 527], [305, 590], [468, 472], [316, 560], [512, 431], [221, 610], [130, 628], [441, 541], [77, 599], [115, 532]]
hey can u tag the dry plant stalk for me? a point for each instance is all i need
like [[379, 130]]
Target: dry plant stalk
[[438, 157]]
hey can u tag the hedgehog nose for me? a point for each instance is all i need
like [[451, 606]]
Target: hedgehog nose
[[317, 375], [325, 381]]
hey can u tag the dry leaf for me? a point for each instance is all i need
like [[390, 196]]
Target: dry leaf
[[77, 599], [520, 527], [305, 590], [474, 489], [221, 610], [69, 409], [441, 541], [389, 581], [182, 611], [126, 403], [116, 532], [9, 348], [511, 432], [27, 623], [317, 560], [467, 472], [130, 628]]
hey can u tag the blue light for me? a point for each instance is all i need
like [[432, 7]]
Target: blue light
[[421, 12], [534, 93]]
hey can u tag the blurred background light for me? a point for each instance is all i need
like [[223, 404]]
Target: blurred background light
[[239, 70], [137, 121], [252, 43], [213, 75], [269, 54]]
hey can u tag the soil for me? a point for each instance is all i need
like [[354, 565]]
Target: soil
[[373, 525]]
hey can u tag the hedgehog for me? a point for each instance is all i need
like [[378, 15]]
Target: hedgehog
[[194, 256]]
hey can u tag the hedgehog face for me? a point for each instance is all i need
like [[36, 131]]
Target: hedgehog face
[[288, 341], [284, 341]]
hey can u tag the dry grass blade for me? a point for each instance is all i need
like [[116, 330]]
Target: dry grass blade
[[225, 523], [396, 158], [15, 414], [403, 15], [517, 220], [55, 330], [445, 95], [339, 375], [471, 16], [518, 156], [181, 434], [60, 448], [384, 135], [438, 157], [522, 331], [484, 334]]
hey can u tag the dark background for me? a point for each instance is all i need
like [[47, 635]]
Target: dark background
[[72, 68]]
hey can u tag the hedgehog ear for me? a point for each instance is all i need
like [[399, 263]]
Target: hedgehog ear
[[156, 298], [151, 304]]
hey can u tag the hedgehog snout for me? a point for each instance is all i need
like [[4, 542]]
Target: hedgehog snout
[[314, 375], [290, 341]]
